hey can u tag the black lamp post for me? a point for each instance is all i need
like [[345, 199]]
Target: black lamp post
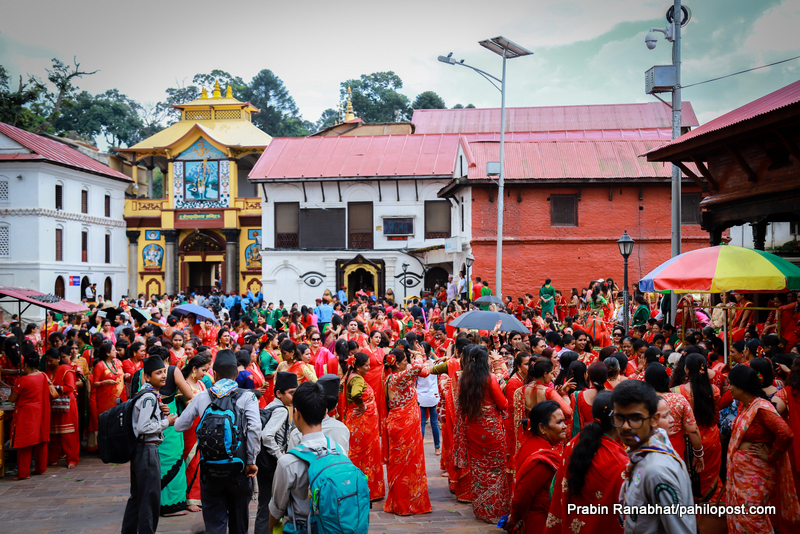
[[625, 248], [469, 261], [405, 286]]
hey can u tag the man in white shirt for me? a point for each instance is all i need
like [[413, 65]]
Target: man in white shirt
[[452, 290], [331, 428], [462, 287]]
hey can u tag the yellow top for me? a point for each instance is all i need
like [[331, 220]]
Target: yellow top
[[348, 112]]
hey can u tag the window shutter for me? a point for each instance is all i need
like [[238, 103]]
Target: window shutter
[[108, 205], [563, 210], [84, 201], [359, 222], [84, 246], [287, 218], [59, 197], [108, 248], [59, 244], [437, 219]]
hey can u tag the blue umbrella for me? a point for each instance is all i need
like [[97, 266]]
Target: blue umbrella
[[186, 309]]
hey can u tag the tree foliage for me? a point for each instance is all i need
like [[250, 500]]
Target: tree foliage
[[428, 100], [15, 105], [376, 98], [460, 106], [112, 115], [328, 118]]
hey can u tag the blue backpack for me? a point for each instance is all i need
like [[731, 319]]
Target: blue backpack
[[338, 493], [221, 439]]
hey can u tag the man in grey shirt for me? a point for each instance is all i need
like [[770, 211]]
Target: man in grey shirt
[[336, 430], [290, 485], [657, 475], [226, 501]]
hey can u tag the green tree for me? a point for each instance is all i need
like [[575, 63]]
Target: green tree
[[428, 100], [61, 76], [328, 118], [376, 98], [15, 106], [460, 106], [279, 116], [111, 114]]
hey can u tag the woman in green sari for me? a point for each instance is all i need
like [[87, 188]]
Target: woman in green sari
[[547, 298]]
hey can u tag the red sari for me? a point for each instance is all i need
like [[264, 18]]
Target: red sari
[[259, 381], [487, 456], [751, 481], [513, 384], [30, 430], [375, 380], [404, 453], [105, 397], [531, 500], [601, 488], [64, 435], [458, 473], [365, 442], [683, 415], [710, 485]]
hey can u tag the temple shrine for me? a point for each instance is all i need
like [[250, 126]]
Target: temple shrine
[[205, 231]]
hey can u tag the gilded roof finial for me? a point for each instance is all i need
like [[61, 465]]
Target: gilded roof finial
[[348, 112], [217, 93], [229, 91], [204, 94]]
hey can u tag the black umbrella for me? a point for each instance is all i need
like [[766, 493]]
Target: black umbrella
[[485, 320], [488, 299]]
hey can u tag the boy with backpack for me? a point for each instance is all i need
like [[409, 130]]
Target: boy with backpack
[[274, 440], [228, 442], [336, 500], [150, 418]]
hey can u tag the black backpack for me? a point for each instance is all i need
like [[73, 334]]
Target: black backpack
[[264, 459], [115, 437], [221, 439]]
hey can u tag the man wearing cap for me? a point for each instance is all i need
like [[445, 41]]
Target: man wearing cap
[[342, 294], [226, 501], [274, 442], [331, 428]]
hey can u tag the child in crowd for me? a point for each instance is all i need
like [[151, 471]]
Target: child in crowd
[[150, 418]]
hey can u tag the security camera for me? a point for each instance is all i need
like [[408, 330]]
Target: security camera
[[651, 40]]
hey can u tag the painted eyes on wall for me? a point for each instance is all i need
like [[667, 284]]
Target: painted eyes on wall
[[409, 279], [312, 278]]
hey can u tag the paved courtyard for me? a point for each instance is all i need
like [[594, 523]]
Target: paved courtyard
[[91, 499]]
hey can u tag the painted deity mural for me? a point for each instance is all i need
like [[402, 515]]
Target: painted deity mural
[[153, 256], [201, 177], [252, 256]]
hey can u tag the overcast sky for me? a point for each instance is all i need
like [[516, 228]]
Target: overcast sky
[[586, 52]]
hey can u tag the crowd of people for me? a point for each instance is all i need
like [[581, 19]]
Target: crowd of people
[[533, 429]]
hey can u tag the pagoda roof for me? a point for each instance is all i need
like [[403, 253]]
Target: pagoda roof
[[229, 133]]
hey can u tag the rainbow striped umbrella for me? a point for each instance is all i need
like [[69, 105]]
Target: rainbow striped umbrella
[[723, 268]]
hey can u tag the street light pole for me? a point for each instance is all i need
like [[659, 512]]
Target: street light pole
[[501, 182], [405, 285], [625, 244], [508, 50]]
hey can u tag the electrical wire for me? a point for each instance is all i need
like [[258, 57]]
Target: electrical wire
[[740, 72]]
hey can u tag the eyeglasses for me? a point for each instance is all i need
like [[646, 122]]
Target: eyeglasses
[[504, 352], [315, 339], [635, 421]]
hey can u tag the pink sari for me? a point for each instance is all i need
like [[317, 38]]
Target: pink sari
[[752, 481]]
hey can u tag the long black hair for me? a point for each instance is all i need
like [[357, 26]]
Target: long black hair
[[12, 350], [518, 359], [539, 415], [196, 362], [656, 376], [746, 379], [474, 380], [589, 442], [678, 372], [598, 374], [577, 373], [703, 393], [360, 359], [764, 368], [565, 360]]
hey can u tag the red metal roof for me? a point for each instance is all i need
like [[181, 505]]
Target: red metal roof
[[556, 160], [48, 150], [362, 157], [50, 302], [779, 99], [647, 116]]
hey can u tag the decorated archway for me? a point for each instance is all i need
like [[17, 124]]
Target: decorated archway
[[202, 261], [361, 270]]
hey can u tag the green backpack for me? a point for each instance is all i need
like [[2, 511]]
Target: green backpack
[[339, 495]]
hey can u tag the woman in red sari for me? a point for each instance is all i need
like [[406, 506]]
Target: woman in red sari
[[403, 451], [531, 502], [581, 401], [375, 376], [295, 360], [108, 383], [30, 430], [515, 381], [453, 439], [10, 361], [194, 371], [705, 401], [592, 473], [787, 402], [64, 435], [483, 408], [757, 463], [361, 418]]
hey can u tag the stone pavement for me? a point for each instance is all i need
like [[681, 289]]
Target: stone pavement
[[92, 497]]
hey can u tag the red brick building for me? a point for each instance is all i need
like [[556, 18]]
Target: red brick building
[[575, 182]]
